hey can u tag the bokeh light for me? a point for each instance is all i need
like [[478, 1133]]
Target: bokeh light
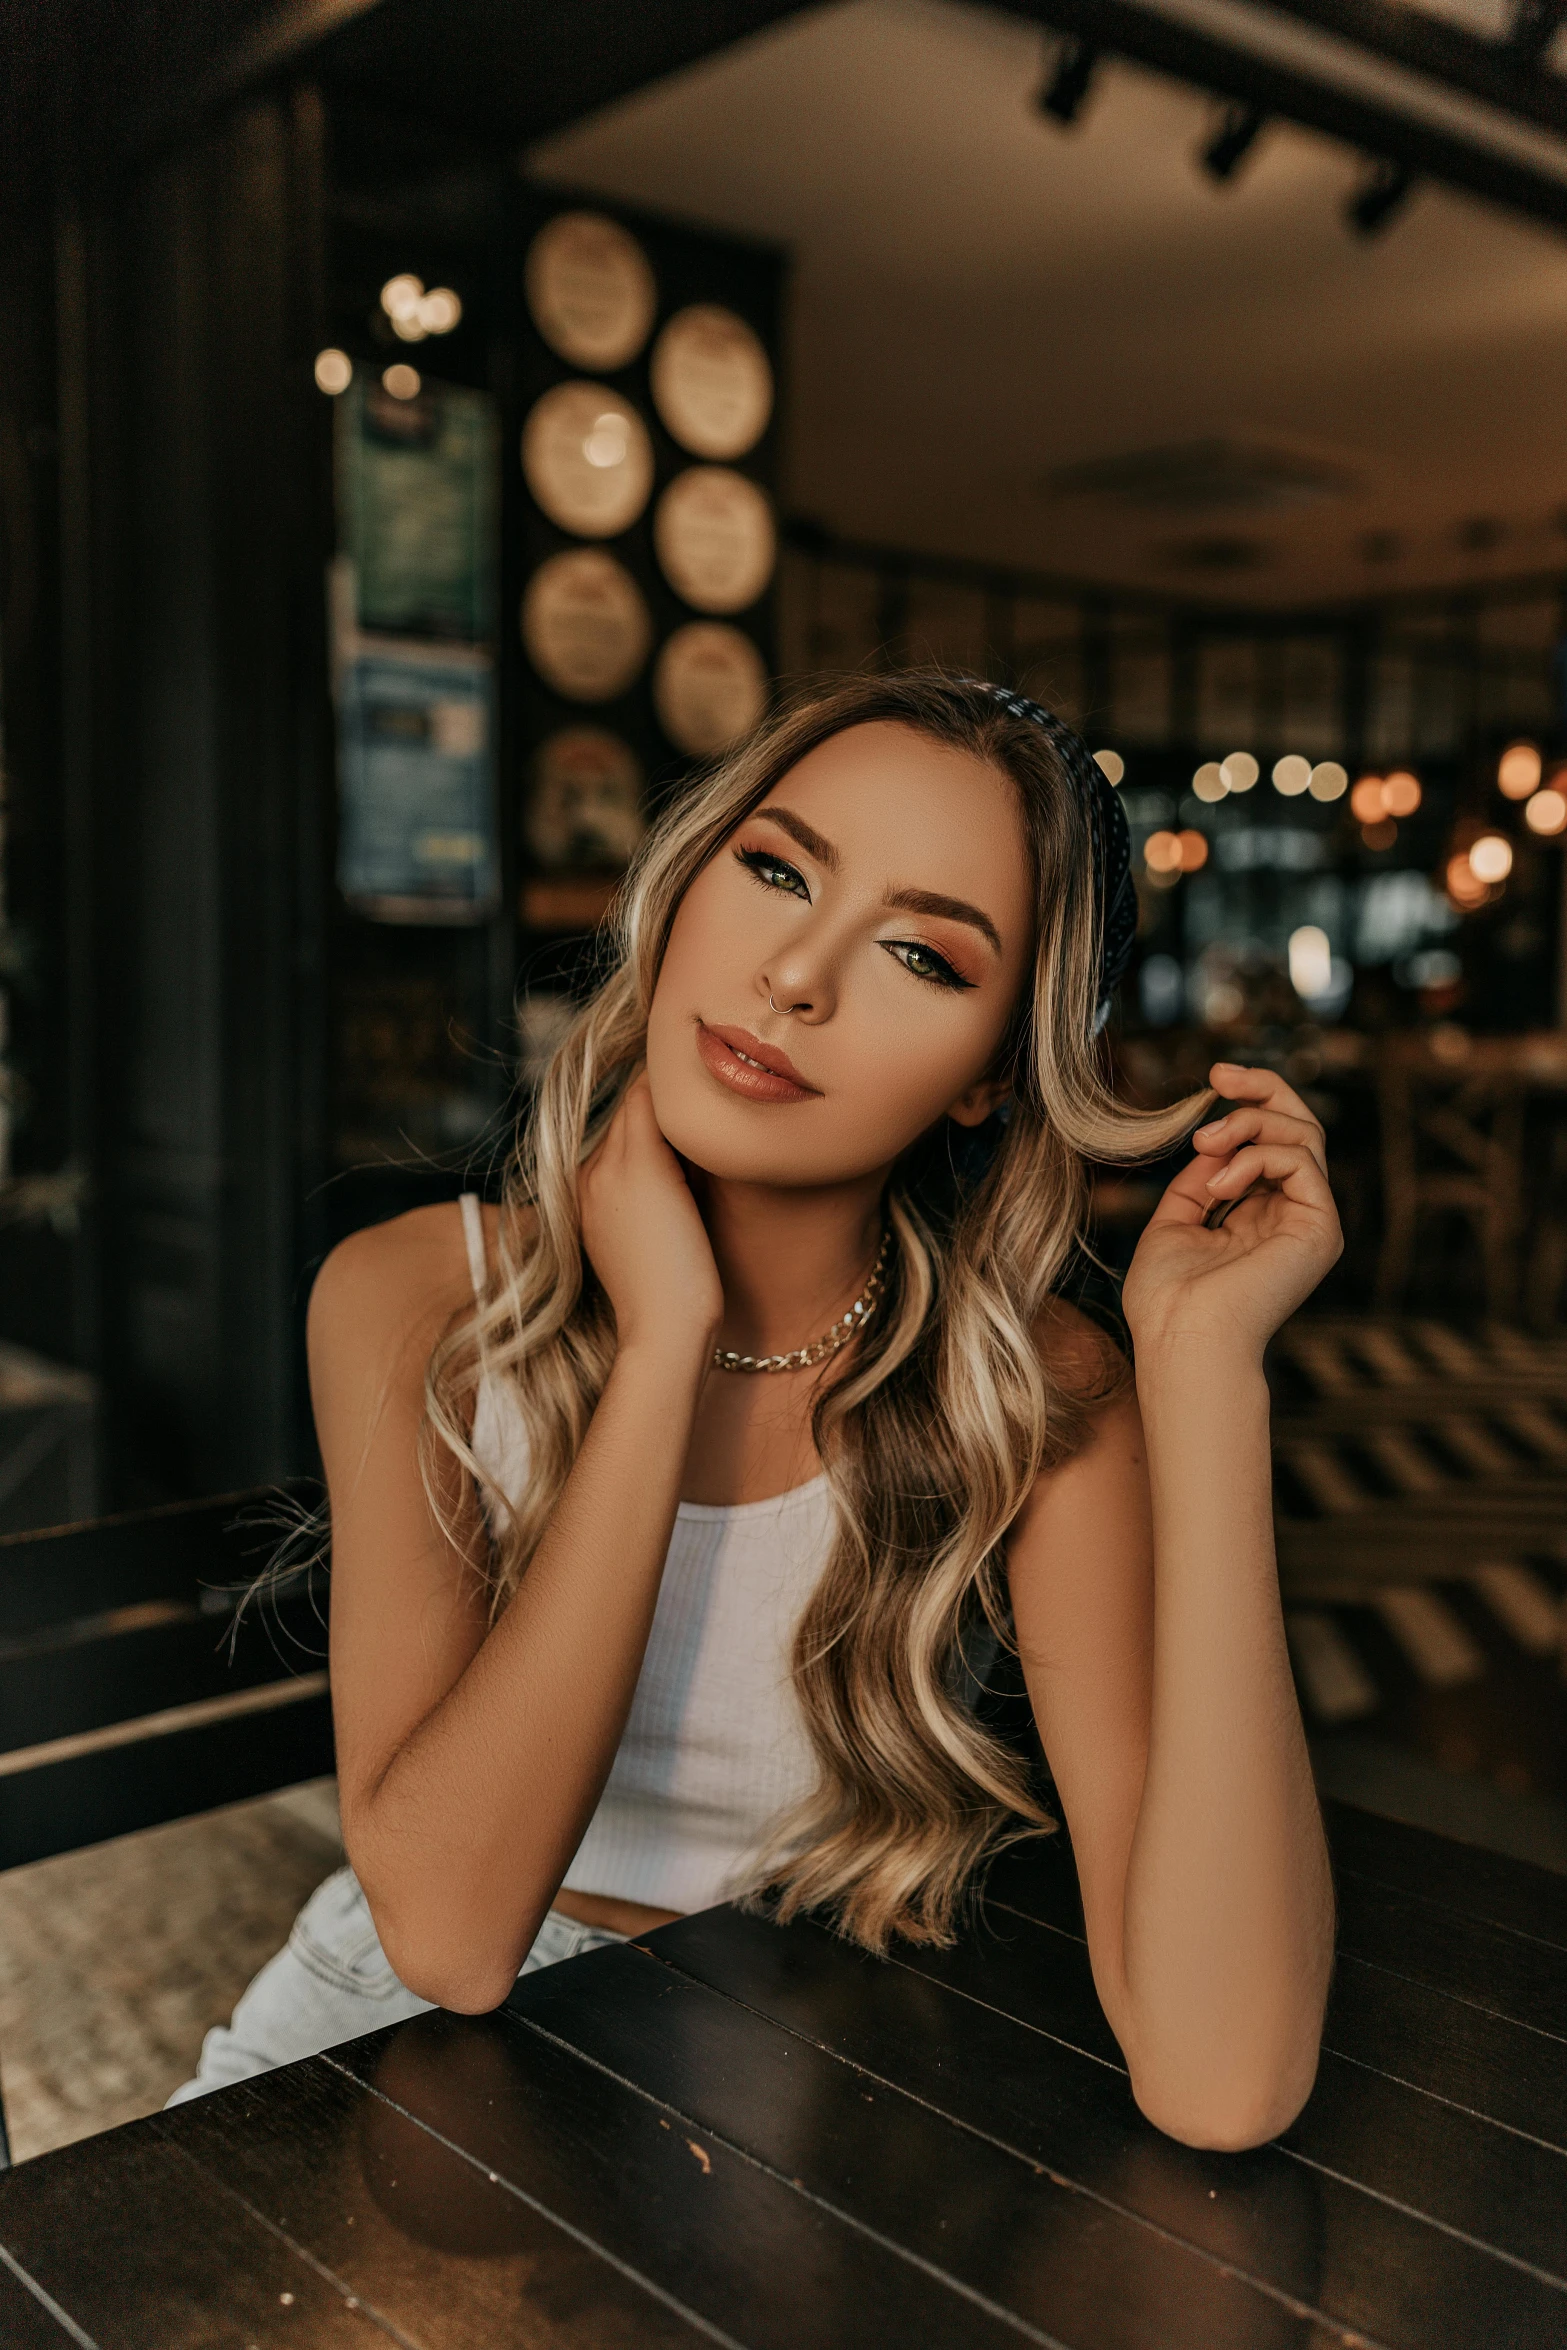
[[1401, 793], [1327, 780], [1194, 851], [1208, 783], [334, 372], [1239, 770], [1311, 962], [402, 381], [1291, 775], [1464, 885], [1162, 852], [1546, 813], [1366, 802], [1111, 765], [1518, 771], [1491, 858], [1380, 835]]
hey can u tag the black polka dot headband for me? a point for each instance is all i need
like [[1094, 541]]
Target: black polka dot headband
[[1110, 840]]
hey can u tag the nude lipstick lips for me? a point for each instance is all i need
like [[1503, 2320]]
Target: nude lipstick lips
[[759, 1072]]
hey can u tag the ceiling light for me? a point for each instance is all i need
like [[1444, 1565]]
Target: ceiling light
[[1209, 783], [1327, 781], [1518, 771], [1491, 857], [1291, 776], [1546, 813], [1240, 771], [334, 372], [1401, 793], [1111, 765]]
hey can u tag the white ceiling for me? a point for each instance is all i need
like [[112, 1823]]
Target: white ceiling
[[980, 298]]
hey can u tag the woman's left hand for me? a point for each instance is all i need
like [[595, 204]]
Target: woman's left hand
[[1239, 1281]]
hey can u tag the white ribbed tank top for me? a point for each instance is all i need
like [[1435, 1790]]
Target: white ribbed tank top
[[714, 1749]]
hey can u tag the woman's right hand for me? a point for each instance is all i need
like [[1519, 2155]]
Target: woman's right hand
[[644, 1236]]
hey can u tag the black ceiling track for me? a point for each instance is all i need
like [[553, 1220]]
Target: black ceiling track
[[1481, 70]]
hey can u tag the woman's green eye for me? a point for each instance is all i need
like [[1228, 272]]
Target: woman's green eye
[[923, 962], [773, 872]]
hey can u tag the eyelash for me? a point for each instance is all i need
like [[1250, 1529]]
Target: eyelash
[[759, 863]]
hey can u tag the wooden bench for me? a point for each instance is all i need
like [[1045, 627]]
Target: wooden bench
[[134, 1688]]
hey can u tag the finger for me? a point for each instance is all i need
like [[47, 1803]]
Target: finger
[[1240, 1083], [1186, 1198], [1289, 1167], [1260, 1125]]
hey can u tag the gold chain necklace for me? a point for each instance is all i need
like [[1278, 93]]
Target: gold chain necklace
[[726, 1359]]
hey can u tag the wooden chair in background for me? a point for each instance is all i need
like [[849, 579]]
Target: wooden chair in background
[[1452, 1144], [129, 1695]]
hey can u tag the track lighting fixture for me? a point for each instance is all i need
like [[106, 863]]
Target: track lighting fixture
[[1382, 195], [1233, 140], [1063, 94]]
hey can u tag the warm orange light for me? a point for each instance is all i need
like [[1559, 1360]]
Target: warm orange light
[[1162, 852], [1380, 835], [1194, 851], [1546, 813], [1518, 771], [1491, 857], [1401, 793], [1464, 885], [1366, 802]]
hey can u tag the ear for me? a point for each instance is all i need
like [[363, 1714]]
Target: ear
[[979, 1102]]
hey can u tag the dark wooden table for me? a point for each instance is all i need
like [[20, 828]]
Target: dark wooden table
[[743, 2134]]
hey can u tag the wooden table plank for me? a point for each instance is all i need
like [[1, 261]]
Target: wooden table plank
[[1358, 2258], [745, 2252], [1444, 2044], [1462, 1877], [25, 2322], [454, 2260], [1063, 2262], [1501, 1972], [144, 2252], [1448, 2165]]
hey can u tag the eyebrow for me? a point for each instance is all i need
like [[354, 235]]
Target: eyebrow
[[906, 901]]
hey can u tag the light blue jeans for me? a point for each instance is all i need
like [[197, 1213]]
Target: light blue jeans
[[331, 1982]]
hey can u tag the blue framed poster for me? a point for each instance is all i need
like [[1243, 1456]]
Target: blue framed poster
[[416, 780]]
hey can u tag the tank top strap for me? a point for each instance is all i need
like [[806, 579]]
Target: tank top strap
[[473, 1233]]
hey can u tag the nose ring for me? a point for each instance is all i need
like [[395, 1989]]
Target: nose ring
[[778, 1008]]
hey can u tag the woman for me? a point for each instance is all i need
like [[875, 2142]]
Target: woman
[[671, 1502]]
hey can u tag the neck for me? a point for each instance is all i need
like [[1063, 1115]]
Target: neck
[[790, 1261]]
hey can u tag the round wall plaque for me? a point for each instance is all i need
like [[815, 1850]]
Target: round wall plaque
[[713, 532], [709, 687], [585, 808], [712, 381], [585, 626], [587, 459], [590, 289]]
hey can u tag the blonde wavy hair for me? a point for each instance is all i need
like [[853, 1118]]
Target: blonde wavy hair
[[933, 1427]]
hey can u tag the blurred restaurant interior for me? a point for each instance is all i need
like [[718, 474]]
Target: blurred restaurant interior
[[428, 433]]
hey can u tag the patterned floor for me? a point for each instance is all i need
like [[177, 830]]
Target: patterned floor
[[114, 1961], [1421, 1492]]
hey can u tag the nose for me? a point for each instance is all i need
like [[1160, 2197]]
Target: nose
[[798, 982]]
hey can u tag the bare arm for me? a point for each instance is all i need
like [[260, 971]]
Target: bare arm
[[469, 1760], [1147, 1604]]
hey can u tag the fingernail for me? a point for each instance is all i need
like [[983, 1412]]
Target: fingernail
[[1216, 1179], [1215, 1128]]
